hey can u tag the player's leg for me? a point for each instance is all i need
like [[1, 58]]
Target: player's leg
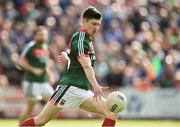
[[29, 108], [84, 99], [49, 111], [28, 88], [100, 107]]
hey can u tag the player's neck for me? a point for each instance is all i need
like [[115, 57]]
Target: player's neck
[[39, 43], [85, 30]]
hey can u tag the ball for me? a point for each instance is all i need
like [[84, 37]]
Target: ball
[[116, 101]]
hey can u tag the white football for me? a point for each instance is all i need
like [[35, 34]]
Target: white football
[[116, 101]]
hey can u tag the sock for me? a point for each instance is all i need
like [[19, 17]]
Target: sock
[[27, 123], [108, 123]]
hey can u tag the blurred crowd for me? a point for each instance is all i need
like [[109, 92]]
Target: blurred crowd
[[138, 44]]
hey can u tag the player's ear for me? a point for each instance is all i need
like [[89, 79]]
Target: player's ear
[[84, 21]]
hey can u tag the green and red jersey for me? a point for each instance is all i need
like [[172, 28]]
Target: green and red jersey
[[37, 56], [80, 45]]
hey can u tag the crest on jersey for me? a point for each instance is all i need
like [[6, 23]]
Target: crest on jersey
[[62, 102]]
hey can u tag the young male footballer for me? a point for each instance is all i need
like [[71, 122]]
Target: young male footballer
[[73, 90]]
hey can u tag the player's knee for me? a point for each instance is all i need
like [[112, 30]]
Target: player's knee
[[110, 115], [29, 111], [107, 114], [40, 121]]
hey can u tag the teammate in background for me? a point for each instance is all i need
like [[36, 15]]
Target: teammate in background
[[73, 89], [35, 61]]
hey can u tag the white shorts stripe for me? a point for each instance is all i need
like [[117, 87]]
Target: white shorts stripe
[[58, 93]]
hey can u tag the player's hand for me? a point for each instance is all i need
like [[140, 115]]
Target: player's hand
[[38, 71], [62, 58], [98, 92]]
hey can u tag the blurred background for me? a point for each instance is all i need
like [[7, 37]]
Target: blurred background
[[137, 51]]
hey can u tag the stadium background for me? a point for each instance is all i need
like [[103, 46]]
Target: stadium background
[[138, 51]]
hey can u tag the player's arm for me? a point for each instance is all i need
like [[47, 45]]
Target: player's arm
[[89, 71], [23, 63], [64, 59], [90, 74], [23, 60], [51, 76]]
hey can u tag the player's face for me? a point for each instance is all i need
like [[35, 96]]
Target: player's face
[[92, 25], [41, 36]]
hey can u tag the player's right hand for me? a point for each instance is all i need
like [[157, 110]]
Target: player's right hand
[[62, 58], [38, 71], [98, 92]]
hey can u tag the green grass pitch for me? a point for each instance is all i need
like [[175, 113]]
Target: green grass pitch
[[97, 123]]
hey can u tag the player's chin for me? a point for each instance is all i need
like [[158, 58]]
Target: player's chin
[[94, 32], [40, 41]]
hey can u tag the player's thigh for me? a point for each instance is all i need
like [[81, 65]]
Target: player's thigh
[[98, 106], [94, 106], [49, 111]]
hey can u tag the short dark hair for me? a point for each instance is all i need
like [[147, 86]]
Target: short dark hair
[[39, 28], [91, 13]]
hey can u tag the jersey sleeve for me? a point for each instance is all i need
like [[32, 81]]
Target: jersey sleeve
[[80, 46], [27, 51]]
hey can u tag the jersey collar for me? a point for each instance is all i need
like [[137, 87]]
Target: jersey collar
[[84, 30]]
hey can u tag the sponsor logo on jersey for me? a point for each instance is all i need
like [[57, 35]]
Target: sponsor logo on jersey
[[40, 52]]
